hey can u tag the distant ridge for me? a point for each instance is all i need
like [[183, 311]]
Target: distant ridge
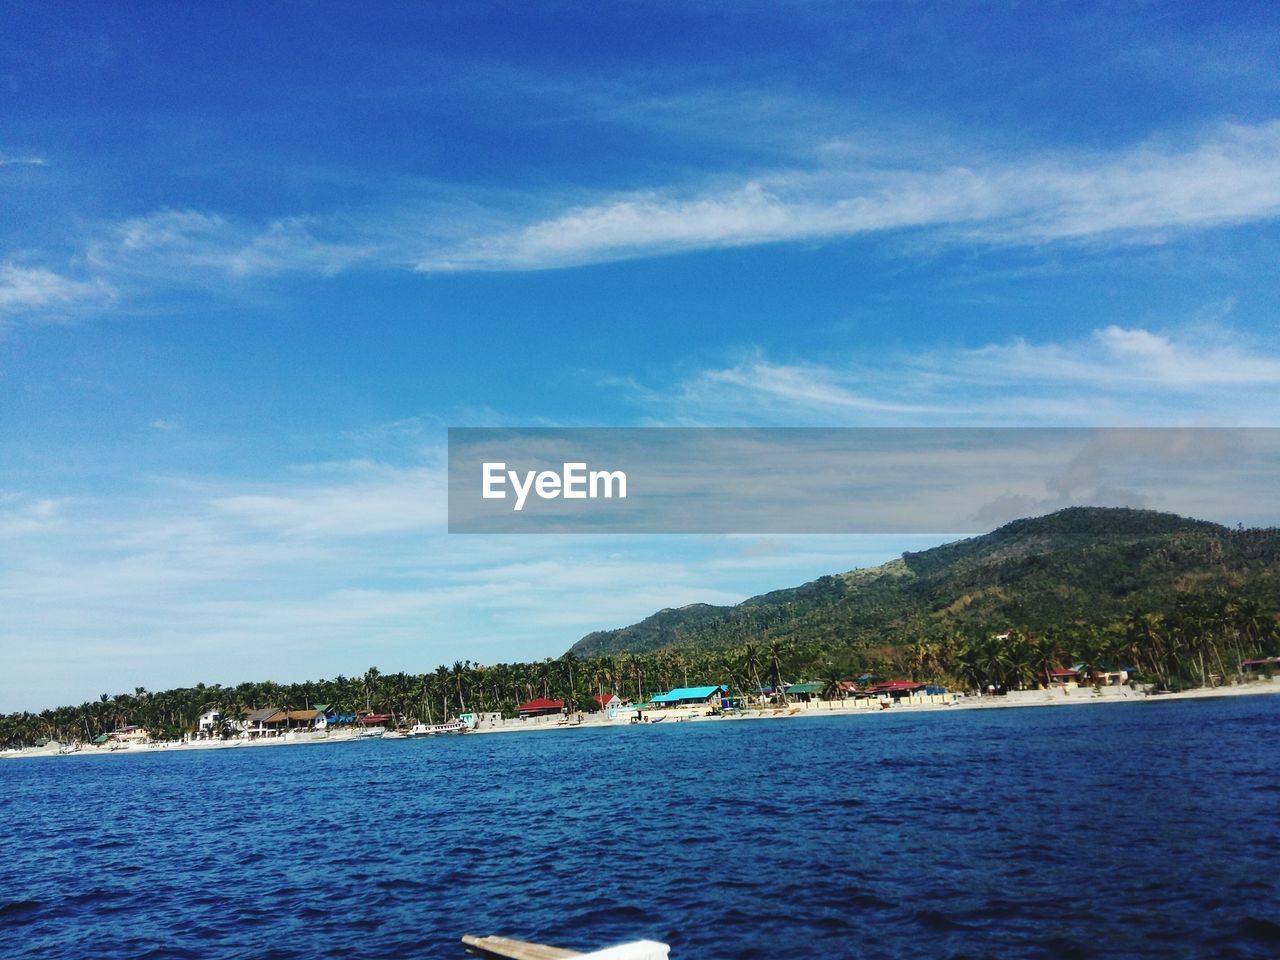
[[1079, 565]]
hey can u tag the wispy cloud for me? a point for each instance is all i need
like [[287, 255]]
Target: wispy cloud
[[35, 291], [1115, 375], [391, 500], [1229, 176], [834, 188], [1117, 356], [9, 160], [197, 241]]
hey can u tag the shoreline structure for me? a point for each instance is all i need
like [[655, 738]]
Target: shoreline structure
[[947, 703]]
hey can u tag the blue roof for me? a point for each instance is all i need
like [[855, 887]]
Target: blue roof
[[686, 693]]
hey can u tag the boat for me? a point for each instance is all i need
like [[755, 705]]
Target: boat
[[504, 948], [431, 729]]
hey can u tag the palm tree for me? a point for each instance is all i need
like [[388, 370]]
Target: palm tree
[[777, 649], [832, 684], [459, 671]]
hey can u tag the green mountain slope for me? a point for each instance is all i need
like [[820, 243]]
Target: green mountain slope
[[1081, 565]]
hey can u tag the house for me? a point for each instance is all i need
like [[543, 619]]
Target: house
[[803, 692], [1104, 676], [1061, 677], [1260, 665], [609, 701], [895, 689], [853, 688], [255, 721], [126, 735], [690, 697], [764, 695], [540, 707], [282, 721]]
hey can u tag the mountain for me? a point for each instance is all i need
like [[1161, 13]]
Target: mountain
[[1083, 565]]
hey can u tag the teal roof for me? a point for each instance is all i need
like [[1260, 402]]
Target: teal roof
[[687, 693]]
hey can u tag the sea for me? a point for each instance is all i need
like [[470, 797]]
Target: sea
[[1143, 829]]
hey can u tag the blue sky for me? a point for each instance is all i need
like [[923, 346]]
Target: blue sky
[[253, 261]]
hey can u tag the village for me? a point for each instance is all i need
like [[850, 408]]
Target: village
[[321, 722], [325, 723]]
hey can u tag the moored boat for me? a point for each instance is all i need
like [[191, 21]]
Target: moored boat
[[431, 729]]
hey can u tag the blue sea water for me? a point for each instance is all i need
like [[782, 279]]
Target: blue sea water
[[1127, 830]]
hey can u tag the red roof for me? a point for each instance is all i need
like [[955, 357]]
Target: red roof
[[602, 698], [1063, 672], [891, 685], [542, 703]]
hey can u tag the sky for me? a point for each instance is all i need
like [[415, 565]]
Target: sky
[[255, 259]]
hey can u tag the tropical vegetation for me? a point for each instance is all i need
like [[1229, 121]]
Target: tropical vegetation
[[1180, 603]]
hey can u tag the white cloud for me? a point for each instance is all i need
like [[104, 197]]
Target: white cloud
[[35, 290], [394, 501], [826, 192], [21, 516], [1137, 194], [195, 240], [1115, 375], [1118, 356], [800, 385]]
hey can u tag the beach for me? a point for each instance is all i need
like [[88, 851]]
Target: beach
[[940, 703]]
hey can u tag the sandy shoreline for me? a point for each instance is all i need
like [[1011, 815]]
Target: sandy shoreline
[[1025, 698]]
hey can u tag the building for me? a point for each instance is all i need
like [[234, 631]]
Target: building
[[207, 722], [131, 734], [541, 707], [803, 692], [609, 701], [1104, 676], [123, 735], [690, 697], [283, 721], [254, 720], [895, 689], [1062, 677], [1260, 665]]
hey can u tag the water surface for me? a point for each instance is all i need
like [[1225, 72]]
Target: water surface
[[1126, 830]]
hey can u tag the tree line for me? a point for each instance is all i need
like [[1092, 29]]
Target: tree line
[[1200, 642]]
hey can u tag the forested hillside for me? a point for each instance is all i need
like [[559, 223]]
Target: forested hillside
[[1078, 566], [1182, 602]]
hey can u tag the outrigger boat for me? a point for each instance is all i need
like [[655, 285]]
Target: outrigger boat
[[505, 948]]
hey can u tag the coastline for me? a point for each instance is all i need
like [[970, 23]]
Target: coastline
[[1017, 699]]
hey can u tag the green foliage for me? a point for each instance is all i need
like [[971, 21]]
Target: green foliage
[[1079, 566], [1182, 601]]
